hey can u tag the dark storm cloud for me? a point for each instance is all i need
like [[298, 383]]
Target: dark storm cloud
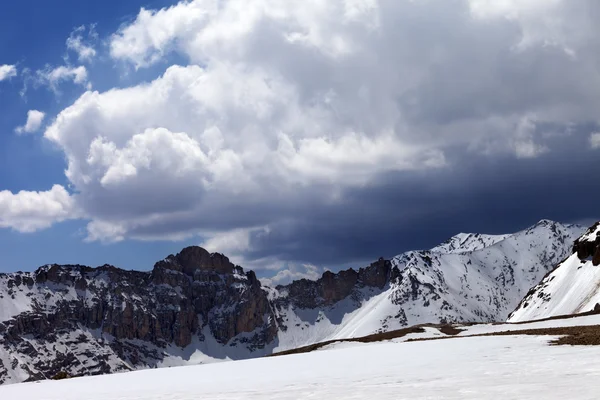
[[401, 212]]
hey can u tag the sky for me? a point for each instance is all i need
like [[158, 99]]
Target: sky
[[292, 136]]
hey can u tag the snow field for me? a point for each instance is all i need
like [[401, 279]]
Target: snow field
[[511, 367]]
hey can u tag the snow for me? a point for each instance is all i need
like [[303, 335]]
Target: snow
[[591, 234], [13, 304], [572, 288], [465, 242], [507, 367]]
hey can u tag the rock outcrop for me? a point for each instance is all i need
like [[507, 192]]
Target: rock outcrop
[[334, 287], [588, 246]]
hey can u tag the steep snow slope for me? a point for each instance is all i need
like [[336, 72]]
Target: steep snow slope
[[466, 242], [573, 287], [481, 284], [503, 367]]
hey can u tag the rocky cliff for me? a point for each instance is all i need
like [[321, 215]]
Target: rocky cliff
[[197, 307], [97, 320]]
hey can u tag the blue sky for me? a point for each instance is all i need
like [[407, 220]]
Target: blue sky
[[32, 35], [290, 137]]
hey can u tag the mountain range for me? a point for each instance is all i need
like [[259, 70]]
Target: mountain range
[[196, 307]]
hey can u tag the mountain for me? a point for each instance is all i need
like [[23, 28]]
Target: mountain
[[573, 287], [196, 307]]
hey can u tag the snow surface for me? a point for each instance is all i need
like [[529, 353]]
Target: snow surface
[[572, 288], [507, 367], [591, 234], [465, 242]]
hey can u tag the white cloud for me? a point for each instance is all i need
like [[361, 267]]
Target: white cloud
[[544, 22], [146, 40], [283, 105], [83, 46], [232, 242], [54, 77], [7, 72], [292, 273], [595, 140], [30, 211], [220, 132], [524, 144], [34, 122]]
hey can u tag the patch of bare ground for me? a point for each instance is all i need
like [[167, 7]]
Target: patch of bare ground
[[376, 337], [449, 330], [574, 335], [569, 335]]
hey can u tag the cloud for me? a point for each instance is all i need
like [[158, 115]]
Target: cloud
[[31, 211], [293, 272], [595, 140], [34, 122], [206, 134], [83, 45], [7, 72], [525, 146], [536, 19], [54, 77], [321, 131]]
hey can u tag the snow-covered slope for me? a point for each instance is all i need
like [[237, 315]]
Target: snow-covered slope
[[573, 287], [197, 307], [482, 283], [496, 367], [466, 242]]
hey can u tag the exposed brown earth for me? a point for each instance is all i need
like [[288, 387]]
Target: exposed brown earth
[[449, 330], [377, 337], [573, 335], [570, 335]]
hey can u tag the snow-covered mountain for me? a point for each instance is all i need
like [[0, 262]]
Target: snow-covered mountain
[[573, 287], [466, 242], [446, 284], [196, 307]]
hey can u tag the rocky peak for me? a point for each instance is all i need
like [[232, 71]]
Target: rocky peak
[[377, 274], [588, 245], [194, 258]]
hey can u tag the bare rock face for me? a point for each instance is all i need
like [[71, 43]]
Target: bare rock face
[[377, 274], [193, 259], [186, 296], [588, 245], [216, 294], [332, 288]]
